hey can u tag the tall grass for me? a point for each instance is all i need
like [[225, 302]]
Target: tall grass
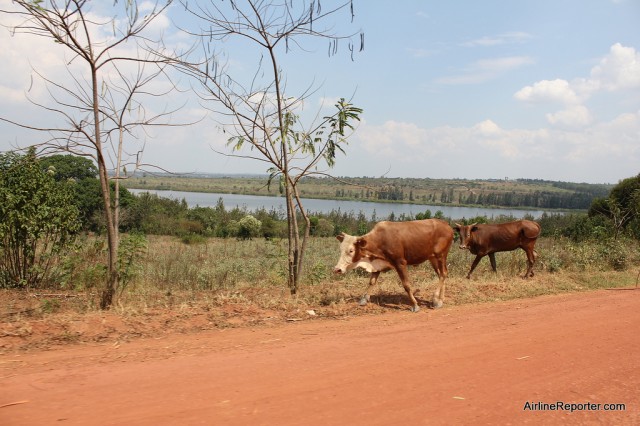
[[217, 271]]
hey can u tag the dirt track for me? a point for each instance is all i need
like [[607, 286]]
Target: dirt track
[[459, 365]]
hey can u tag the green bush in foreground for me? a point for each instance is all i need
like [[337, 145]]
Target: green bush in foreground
[[38, 221]]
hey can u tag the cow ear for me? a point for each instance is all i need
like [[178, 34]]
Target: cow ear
[[457, 227], [361, 242], [340, 237], [474, 228]]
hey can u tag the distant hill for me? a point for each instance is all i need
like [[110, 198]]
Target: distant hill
[[520, 193]]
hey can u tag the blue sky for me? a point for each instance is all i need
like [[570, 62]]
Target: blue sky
[[485, 89]]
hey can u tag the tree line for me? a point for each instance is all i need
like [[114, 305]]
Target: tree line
[[573, 196]]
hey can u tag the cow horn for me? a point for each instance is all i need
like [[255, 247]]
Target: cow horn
[[474, 224]]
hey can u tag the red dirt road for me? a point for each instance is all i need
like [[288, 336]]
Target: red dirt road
[[458, 365]]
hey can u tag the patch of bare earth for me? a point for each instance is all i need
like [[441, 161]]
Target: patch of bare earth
[[548, 360], [36, 320]]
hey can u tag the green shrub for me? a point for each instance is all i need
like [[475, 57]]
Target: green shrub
[[616, 254], [193, 239], [38, 221], [554, 264], [130, 252], [248, 227]]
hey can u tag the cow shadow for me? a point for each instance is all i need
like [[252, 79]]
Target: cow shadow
[[396, 301]]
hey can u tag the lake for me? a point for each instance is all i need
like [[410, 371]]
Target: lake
[[381, 210]]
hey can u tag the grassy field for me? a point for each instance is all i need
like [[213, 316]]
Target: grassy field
[[221, 283], [228, 267]]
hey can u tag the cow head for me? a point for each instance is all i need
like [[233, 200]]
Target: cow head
[[466, 234], [350, 252]]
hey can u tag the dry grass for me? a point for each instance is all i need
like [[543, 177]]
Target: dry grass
[[228, 283]]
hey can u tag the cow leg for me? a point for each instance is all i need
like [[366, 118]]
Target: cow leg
[[492, 259], [440, 266], [473, 265], [403, 273], [373, 279], [531, 259], [438, 295]]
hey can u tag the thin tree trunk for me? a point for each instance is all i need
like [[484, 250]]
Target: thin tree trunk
[[305, 238], [116, 195], [292, 223], [112, 237], [293, 238]]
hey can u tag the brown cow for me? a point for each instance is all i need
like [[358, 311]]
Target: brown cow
[[483, 240], [394, 245]]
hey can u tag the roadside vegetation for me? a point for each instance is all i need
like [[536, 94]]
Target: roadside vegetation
[[609, 232], [219, 283]]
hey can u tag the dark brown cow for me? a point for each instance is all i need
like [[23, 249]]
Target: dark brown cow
[[394, 245], [483, 240]]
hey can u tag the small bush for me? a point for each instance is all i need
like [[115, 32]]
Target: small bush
[[248, 227], [615, 254], [49, 306], [38, 221], [193, 239], [84, 266], [554, 264]]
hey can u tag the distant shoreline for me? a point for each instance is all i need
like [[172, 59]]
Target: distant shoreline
[[561, 197]]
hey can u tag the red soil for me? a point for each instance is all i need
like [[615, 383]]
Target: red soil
[[473, 364]]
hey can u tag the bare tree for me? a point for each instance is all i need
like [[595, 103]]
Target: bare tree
[[100, 100], [257, 112], [621, 215]]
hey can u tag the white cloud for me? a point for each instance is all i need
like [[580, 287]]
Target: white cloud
[[615, 141], [23, 53], [619, 70], [573, 117], [392, 137], [11, 95], [487, 69], [146, 6], [500, 39], [487, 128], [486, 149], [548, 90]]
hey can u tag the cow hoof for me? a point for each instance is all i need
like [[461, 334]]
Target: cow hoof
[[363, 301], [415, 308], [437, 304]]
